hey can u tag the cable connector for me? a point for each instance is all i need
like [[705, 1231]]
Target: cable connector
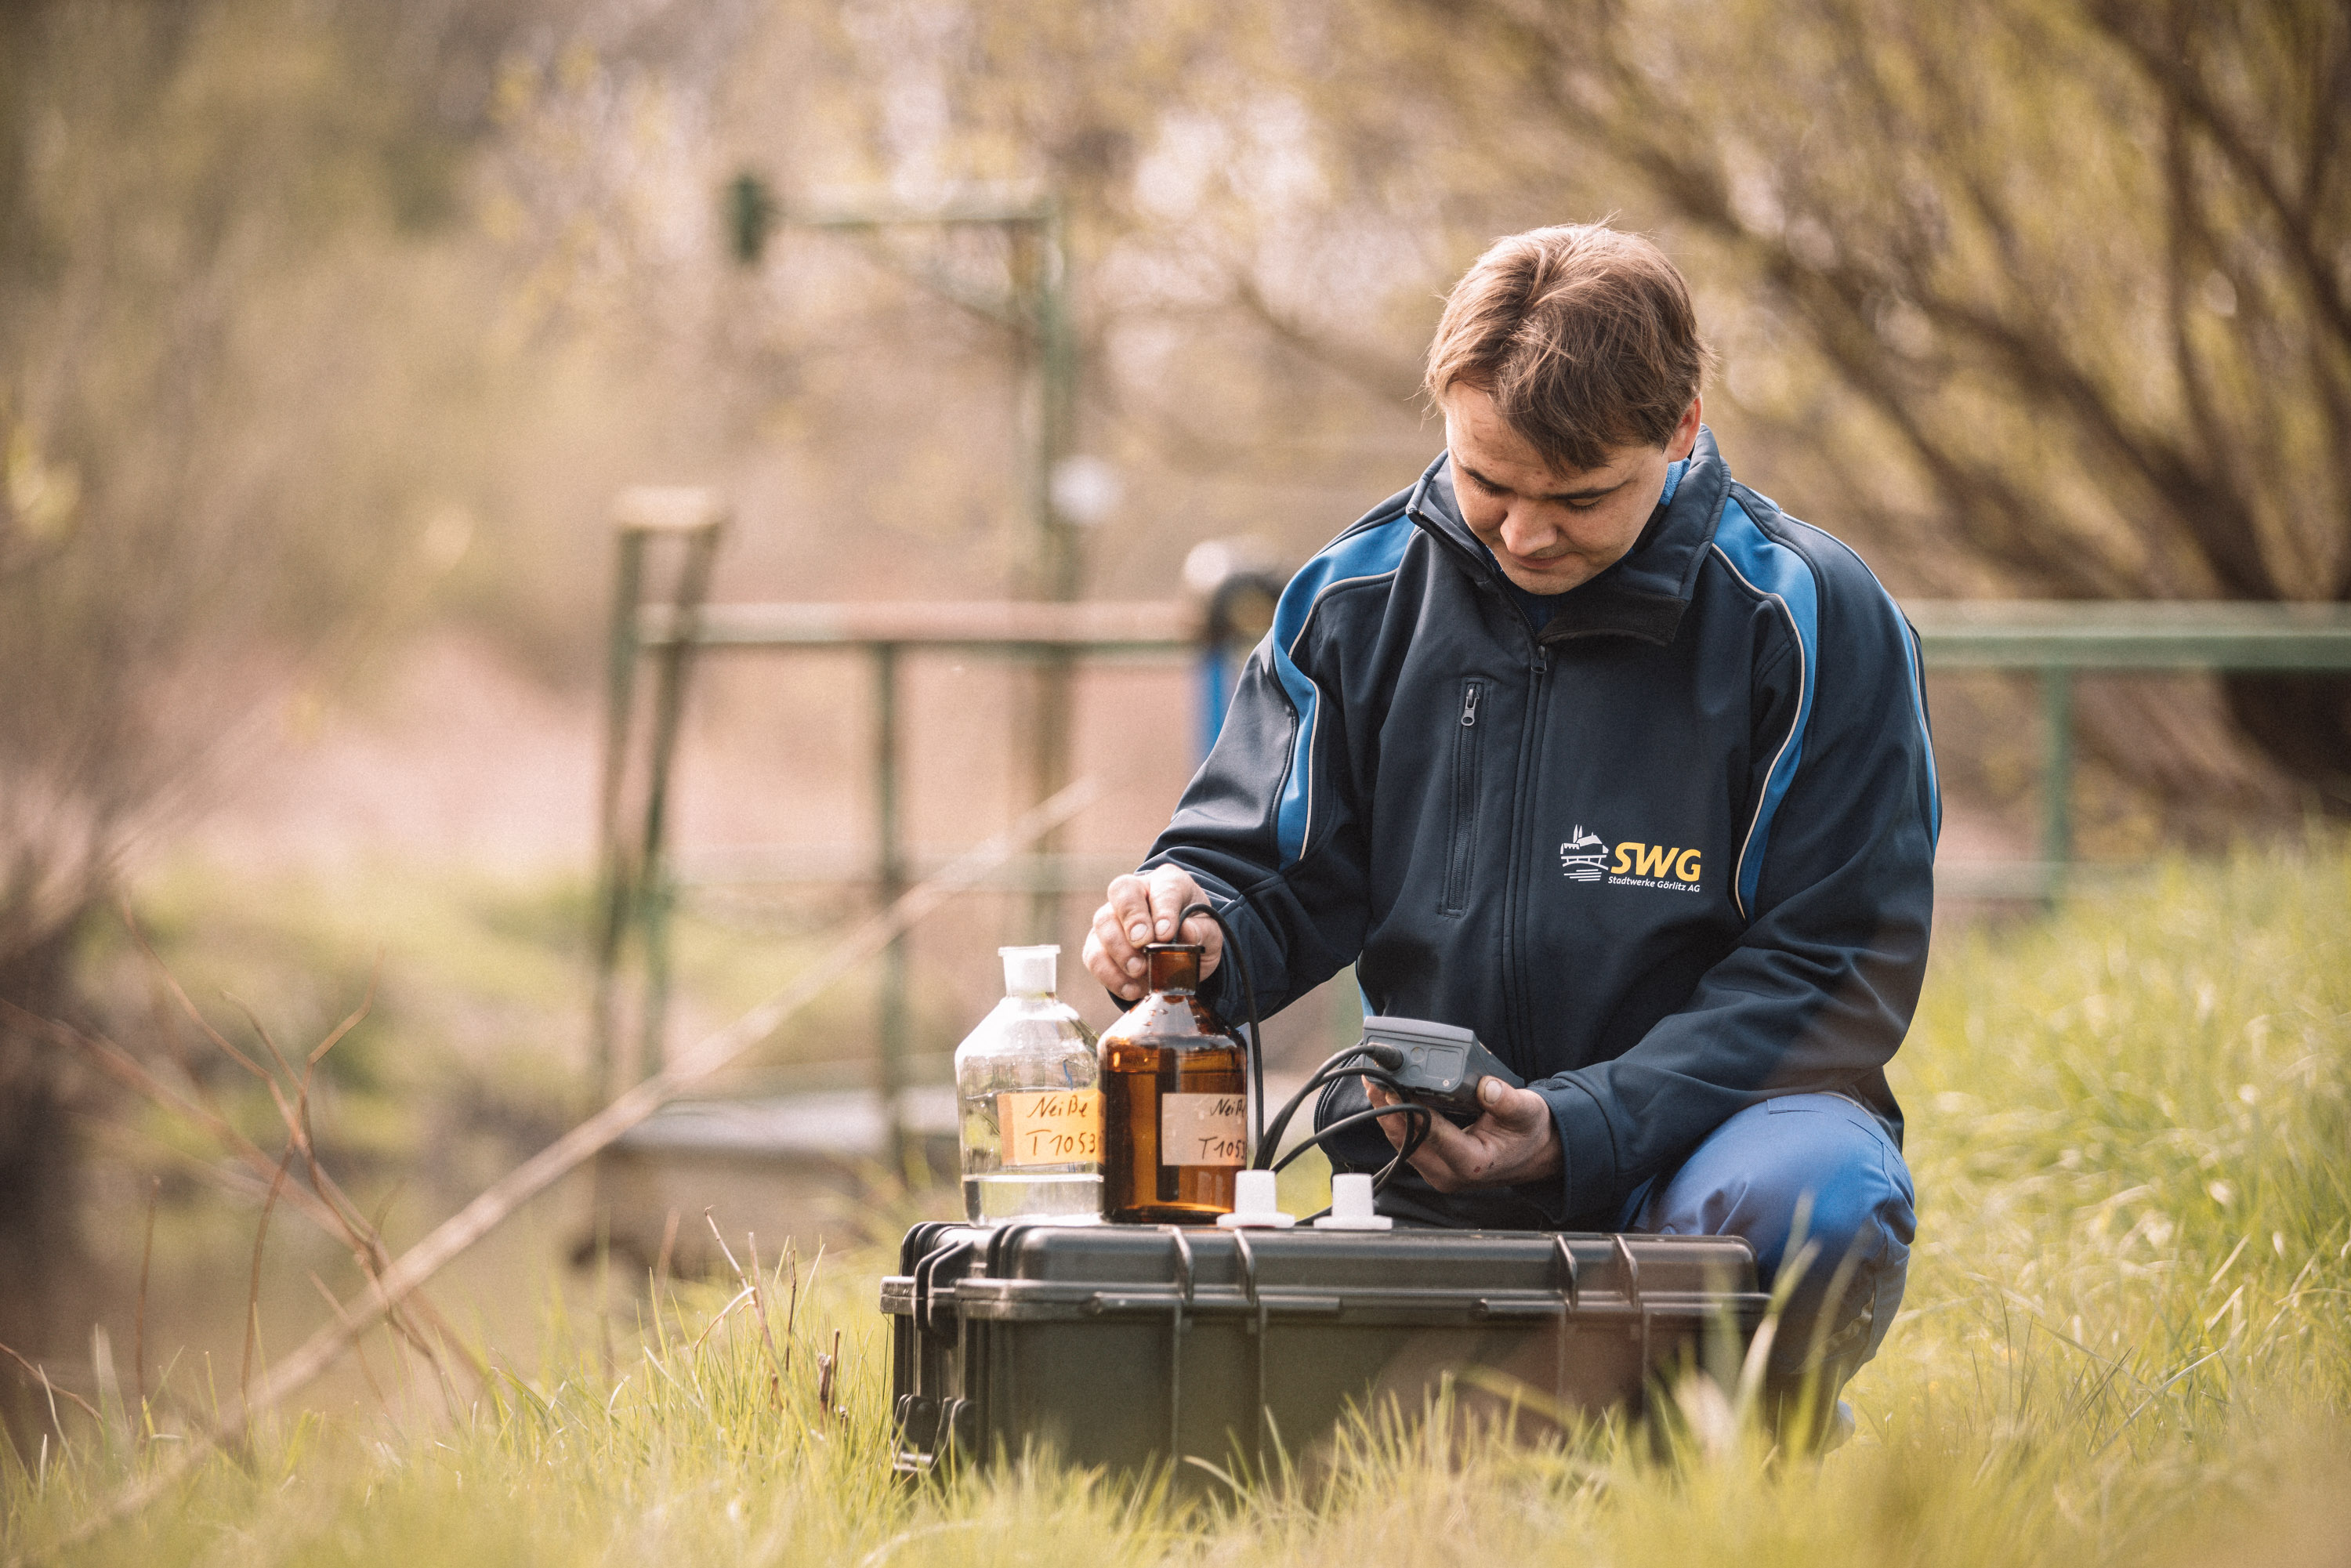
[[1256, 1205]]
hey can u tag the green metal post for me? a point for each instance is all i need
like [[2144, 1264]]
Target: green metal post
[[655, 894], [2056, 772], [890, 874], [613, 884], [1038, 314]]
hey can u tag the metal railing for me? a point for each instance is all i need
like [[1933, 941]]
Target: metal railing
[[638, 884], [2056, 642]]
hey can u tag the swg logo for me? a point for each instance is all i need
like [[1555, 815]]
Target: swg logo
[[1654, 861], [1586, 858]]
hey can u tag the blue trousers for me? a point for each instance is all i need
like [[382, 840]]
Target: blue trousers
[[1815, 1161]]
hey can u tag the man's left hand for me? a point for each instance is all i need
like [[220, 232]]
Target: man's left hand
[[1516, 1140]]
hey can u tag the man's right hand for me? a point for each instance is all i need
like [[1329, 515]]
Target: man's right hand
[[1144, 909]]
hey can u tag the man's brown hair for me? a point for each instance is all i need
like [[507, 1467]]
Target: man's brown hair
[[1584, 337]]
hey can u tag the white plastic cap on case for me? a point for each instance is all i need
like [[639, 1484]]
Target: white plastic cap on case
[[1256, 1204], [1029, 971], [1350, 1206]]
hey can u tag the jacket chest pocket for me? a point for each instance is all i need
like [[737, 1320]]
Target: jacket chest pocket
[[1469, 749]]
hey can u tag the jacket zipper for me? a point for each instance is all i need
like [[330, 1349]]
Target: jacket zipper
[[1521, 1047], [1467, 753]]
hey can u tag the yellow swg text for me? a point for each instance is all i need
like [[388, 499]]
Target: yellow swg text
[[1656, 860]]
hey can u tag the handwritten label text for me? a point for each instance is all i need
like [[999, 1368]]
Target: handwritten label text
[[1051, 1126], [1202, 1130]]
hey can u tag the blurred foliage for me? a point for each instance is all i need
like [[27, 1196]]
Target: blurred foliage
[[474, 982], [194, 208], [223, 438]]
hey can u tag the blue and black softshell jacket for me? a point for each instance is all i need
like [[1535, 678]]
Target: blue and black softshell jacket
[[1668, 854]]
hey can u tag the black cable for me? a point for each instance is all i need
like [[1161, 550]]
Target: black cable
[[1413, 1140], [1334, 1066], [1256, 1041], [1340, 1065]]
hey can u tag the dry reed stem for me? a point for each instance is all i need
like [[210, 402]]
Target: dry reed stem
[[776, 1364], [139, 1324], [252, 1287], [825, 1367], [327, 1206], [498, 1201], [42, 1373], [342, 1215], [358, 1345]]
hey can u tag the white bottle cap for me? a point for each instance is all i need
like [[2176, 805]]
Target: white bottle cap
[[1350, 1206], [1256, 1205], [1029, 971]]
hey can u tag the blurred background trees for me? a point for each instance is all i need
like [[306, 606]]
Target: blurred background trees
[[329, 329], [217, 425], [2050, 299]]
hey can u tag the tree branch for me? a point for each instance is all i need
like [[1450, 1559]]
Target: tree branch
[[2170, 70]]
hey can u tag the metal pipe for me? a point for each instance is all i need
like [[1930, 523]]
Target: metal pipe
[[2057, 773], [890, 874], [656, 895], [612, 884]]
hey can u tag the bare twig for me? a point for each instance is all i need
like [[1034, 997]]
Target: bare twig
[[359, 1344], [501, 1198], [41, 1375], [252, 1287], [338, 1218], [792, 1305], [826, 1365], [186, 1005], [766, 1336], [325, 1204], [724, 1251], [364, 1238], [128, 1070], [745, 1294]]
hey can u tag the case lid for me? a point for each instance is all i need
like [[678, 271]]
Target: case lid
[[1037, 1273]]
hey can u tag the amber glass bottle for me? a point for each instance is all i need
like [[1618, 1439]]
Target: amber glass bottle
[[1174, 1102]]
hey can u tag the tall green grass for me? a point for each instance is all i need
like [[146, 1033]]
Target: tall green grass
[[2125, 1341]]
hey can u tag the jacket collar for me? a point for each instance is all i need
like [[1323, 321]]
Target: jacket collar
[[1644, 594]]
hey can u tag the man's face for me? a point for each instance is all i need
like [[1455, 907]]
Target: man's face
[[1551, 530]]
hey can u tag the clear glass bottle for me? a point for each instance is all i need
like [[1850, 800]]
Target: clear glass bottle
[[1175, 1105], [1032, 1112]]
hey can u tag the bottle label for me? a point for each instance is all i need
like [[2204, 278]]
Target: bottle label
[[1050, 1127], [1203, 1130]]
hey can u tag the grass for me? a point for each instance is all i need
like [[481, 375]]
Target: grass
[[2123, 1343]]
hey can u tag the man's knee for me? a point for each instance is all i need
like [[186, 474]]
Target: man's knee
[[1811, 1180], [1848, 1214], [1803, 1169]]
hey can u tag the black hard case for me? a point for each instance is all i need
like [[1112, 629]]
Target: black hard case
[[1127, 1345]]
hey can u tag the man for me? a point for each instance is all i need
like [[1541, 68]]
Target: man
[[1584, 746]]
